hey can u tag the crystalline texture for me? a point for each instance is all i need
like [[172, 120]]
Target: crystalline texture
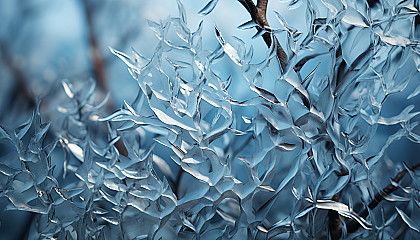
[[284, 162]]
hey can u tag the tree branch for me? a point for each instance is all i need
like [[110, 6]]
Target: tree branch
[[262, 4], [259, 15], [177, 182], [399, 232], [99, 66], [334, 222], [19, 76], [353, 225]]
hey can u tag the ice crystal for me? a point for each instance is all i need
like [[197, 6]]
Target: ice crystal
[[276, 165], [309, 136]]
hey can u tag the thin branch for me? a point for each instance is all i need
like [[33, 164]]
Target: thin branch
[[334, 222], [177, 183], [19, 76], [399, 232], [258, 14], [99, 66], [353, 225], [121, 148], [262, 4]]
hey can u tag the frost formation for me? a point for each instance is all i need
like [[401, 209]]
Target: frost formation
[[266, 167]]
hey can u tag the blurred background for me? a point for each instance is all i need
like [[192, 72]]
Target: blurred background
[[44, 41]]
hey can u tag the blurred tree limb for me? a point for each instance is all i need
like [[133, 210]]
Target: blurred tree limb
[[99, 65]]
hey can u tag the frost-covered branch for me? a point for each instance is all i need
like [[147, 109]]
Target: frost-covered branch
[[352, 225], [259, 16]]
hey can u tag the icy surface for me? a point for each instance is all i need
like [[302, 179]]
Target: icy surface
[[261, 168]]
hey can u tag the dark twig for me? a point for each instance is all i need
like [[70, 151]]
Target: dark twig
[[177, 183], [18, 75], [121, 148], [399, 232], [99, 65], [258, 14], [334, 222], [353, 225]]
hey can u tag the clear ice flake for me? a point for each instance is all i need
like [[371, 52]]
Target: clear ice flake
[[411, 224], [208, 8]]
